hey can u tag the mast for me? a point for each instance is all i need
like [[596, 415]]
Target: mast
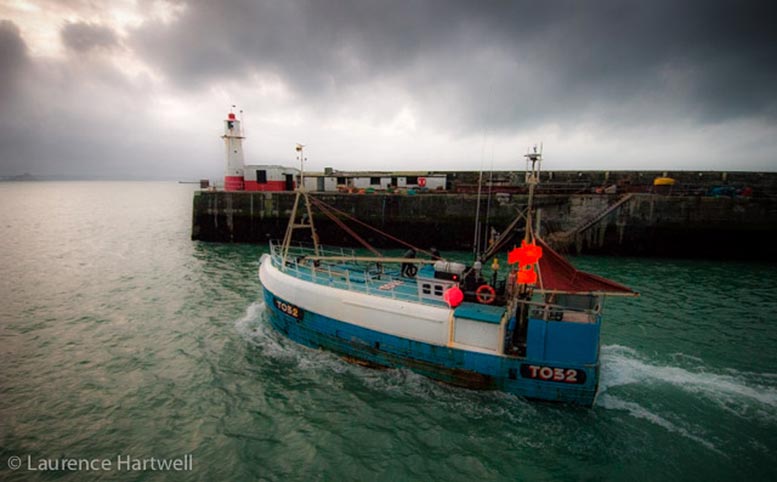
[[533, 168], [307, 218], [525, 255], [532, 178], [301, 149]]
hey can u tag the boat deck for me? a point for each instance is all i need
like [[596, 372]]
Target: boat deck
[[369, 278]]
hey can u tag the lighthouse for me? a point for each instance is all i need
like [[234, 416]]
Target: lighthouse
[[233, 142]]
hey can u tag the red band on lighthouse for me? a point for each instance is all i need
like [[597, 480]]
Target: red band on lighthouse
[[233, 183]]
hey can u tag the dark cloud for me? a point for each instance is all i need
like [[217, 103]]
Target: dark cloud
[[500, 63], [81, 118], [14, 63], [12, 47], [701, 55], [406, 84], [13, 57], [82, 36]]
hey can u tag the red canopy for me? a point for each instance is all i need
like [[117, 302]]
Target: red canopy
[[556, 274]]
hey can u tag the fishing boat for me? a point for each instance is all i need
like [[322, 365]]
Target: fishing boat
[[531, 328]]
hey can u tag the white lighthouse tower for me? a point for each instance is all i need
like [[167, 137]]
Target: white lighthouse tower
[[233, 141]]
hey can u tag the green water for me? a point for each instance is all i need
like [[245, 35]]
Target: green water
[[121, 337]]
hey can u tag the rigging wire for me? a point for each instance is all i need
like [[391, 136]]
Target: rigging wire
[[490, 193], [476, 240], [348, 230], [331, 208]]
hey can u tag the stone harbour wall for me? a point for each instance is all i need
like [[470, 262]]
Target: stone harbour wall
[[645, 224]]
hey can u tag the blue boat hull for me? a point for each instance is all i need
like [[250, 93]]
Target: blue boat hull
[[531, 378]]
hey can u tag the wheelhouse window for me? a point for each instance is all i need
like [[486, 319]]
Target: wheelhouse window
[[261, 176]]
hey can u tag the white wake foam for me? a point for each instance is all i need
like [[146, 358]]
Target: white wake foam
[[256, 330], [638, 411], [624, 366], [253, 328], [249, 325]]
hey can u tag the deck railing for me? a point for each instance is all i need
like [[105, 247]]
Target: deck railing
[[353, 276], [347, 274]]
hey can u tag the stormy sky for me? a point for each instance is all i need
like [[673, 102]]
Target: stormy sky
[[139, 88]]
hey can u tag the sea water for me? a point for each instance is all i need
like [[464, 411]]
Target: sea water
[[123, 340]]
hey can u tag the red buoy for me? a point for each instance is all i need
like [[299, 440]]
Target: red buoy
[[453, 296]]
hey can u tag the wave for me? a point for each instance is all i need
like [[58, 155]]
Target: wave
[[638, 411], [744, 394], [401, 383], [253, 328], [623, 366], [248, 326], [747, 395]]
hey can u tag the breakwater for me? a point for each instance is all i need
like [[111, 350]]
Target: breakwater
[[641, 224]]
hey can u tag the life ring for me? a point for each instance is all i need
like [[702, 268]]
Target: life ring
[[422, 181], [485, 294]]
